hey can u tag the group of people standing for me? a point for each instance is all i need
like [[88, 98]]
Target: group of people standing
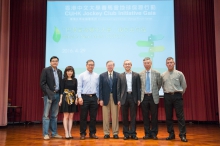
[[112, 91]]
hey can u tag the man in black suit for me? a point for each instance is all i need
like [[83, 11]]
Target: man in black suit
[[129, 96], [50, 84], [108, 99]]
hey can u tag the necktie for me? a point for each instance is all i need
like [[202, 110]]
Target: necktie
[[148, 83], [110, 79], [56, 80]]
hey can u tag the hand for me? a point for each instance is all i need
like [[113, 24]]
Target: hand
[[60, 102], [76, 101], [119, 103], [139, 102], [101, 102], [98, 101], [80, 100]]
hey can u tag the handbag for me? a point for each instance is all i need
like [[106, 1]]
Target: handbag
[[70, 96]]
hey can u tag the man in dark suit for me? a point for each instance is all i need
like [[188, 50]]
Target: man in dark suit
[[108, 99], [128, 93], [50, 84]]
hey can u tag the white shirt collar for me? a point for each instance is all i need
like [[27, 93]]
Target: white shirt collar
[[148, 71]]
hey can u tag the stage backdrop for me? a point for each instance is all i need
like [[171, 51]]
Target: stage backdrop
[[195, 53]]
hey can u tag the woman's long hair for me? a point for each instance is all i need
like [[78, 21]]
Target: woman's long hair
[[68, 68]]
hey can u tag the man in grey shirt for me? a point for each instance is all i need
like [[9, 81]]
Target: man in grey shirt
[[174, 86]]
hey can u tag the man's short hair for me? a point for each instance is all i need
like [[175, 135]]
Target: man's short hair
[[54, 57], [170, 58], [146, 58], [90, 60], [127, 60], [110, 61]]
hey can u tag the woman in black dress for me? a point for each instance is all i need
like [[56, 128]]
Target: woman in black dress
[[68, 100]]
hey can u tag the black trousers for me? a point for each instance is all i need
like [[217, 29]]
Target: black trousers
[[129, 104], [174, 101], [90, 106], [149, 107]]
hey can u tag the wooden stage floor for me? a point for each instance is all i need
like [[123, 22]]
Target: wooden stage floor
[[21, 135]]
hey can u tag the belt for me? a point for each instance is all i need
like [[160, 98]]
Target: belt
[[90, 95], [129, 92], [56, 91], [148, 94], [172, 93]]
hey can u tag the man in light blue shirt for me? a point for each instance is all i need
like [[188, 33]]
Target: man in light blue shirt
[[88, 93]]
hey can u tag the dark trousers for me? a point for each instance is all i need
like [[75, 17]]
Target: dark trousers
[[174, 101], [148, 106], [90, 106], [129, 104]]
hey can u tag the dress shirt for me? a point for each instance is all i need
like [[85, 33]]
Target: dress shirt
[[173, 81], [129, 81], [56, 78], [150, 80], [109, 74], [88, 83]]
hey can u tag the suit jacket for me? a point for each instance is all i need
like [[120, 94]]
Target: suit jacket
[[104, 87], [122, 87], [47, 81], [156, 82]]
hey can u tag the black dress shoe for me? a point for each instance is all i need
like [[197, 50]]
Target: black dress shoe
[[70, 137], [82, 137], [154, 137], [126, 137], [183, 139], [93, 136], [172, 136], [115, 136], [106, 136], [134, 137], [67, 137], [147, 137]]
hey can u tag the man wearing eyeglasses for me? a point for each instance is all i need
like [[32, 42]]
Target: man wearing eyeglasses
[[88, 95], [128, 93]]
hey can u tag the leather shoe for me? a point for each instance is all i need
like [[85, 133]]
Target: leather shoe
[[82, 137], [126, 137], [115, 136], [106, 136], [183, 139], [154, 137], [147, 137], [134, 137], [93, 136], [170, 137]]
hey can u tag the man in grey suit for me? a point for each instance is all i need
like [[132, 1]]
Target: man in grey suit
[[108, 99], [128, 90], [150, 85]]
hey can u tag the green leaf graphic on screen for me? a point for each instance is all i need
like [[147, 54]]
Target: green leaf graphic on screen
[[146, 54], [155, 37], [156, 49], [150, 45], [56, 35], [145, 43]]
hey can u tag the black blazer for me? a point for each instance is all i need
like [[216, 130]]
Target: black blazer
[[104, 87], [122, 87], [47, 81]]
